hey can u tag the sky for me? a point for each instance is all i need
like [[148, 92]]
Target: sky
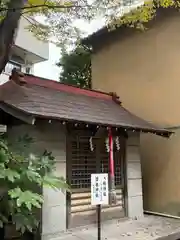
[[48, 69]]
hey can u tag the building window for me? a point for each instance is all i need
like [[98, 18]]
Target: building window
[[10, 66]]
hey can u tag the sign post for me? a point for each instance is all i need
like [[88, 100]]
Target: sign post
[[99, 195], [99, 221]]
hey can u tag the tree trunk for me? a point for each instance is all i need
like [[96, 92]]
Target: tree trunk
[[8, 29]]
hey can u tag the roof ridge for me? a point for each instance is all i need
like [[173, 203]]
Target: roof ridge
[[65, 84]]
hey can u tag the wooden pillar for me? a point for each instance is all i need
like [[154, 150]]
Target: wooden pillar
[[68, 174]]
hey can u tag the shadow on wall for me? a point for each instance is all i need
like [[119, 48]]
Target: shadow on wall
[[172, 208], [160, 173]]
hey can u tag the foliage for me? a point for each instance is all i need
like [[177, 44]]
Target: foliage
[[22, 176], [59, 16], [76, 67], [141, 15]]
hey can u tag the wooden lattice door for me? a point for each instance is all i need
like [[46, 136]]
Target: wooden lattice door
[[83, 164]]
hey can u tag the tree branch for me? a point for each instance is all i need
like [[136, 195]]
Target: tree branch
[[27, 19], [45, 6]]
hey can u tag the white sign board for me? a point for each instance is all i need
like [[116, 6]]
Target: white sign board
[[99, 189]]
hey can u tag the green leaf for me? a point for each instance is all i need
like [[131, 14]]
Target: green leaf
[[3, 145], [33, 176], [57, 183], [15, 193], [29, 228], [29, 206], [3, 156], [2, 171], [28, 198], [12, 175]]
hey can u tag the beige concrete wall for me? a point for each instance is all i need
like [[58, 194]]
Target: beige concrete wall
[[49, 137], [144, 71], [134, 178], [161, 178]]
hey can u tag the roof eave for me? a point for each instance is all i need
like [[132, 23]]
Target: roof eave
[[17, 113], [159, 132], [30, 118]]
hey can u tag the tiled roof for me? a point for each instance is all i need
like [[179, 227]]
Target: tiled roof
[[53, 100]]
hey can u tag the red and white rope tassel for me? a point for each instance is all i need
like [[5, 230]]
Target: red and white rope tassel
[[111, 164]]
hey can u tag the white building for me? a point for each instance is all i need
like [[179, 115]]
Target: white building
[[28, 50]]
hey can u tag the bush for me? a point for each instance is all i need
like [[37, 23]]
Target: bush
[[22, 176]]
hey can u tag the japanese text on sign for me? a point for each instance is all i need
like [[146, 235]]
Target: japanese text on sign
[[99, 189]]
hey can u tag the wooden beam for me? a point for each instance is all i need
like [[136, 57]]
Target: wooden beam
[[25, 117]]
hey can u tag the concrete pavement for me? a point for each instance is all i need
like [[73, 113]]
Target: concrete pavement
[[147, 228]]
